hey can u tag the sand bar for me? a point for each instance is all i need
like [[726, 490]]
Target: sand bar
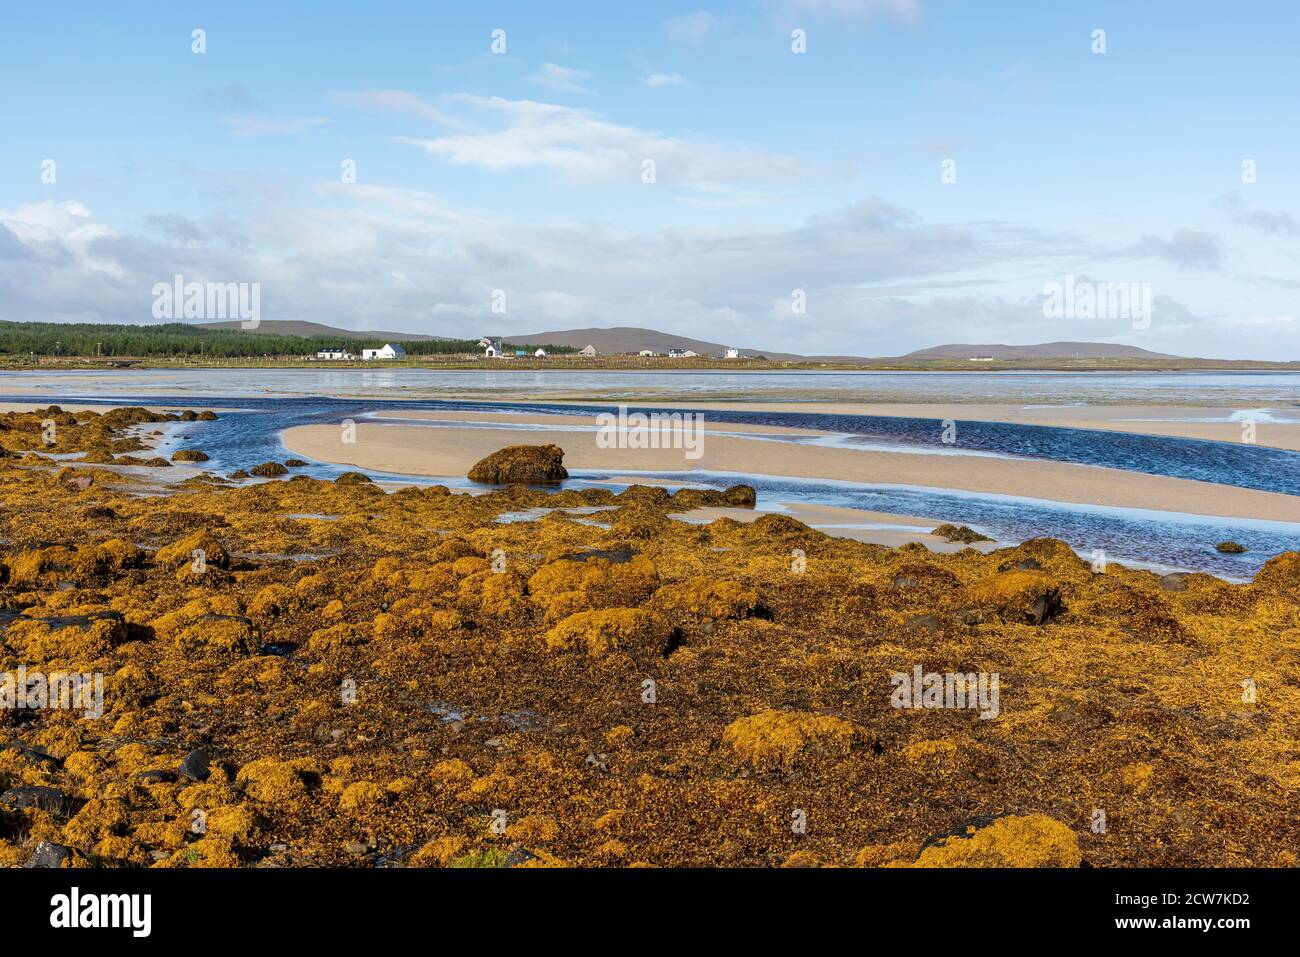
[[1163, 420], [422, 450]]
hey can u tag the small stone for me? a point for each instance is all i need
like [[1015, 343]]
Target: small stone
[[357, 848], [194, 767], [1230, 548], [519, 856], [49, 855]]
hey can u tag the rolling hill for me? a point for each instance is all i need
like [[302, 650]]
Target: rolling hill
[[620, 339], [309, 330], [1043, 350]]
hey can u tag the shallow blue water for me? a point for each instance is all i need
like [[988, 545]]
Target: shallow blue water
[[248, 433]]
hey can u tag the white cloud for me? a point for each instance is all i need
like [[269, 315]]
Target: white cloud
[[656, 80], [561, 78], [579, 145]]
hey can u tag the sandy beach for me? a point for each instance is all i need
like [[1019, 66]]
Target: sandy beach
[[448, 451], [1164, 420]]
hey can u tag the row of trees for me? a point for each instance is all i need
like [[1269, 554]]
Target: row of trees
[[176, 339]]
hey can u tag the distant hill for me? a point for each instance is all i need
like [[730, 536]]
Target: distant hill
[[314, 330], [633, 339], [617, 339], [1043, 350]]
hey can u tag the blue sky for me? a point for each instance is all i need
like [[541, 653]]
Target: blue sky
[[774, 171]]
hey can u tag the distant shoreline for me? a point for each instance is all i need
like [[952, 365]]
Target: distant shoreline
[[639, 364]]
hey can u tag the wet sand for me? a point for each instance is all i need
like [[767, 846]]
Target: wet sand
[[1160, 420], [433, 451]]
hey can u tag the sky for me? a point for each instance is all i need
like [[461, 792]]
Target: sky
[[826, 177]]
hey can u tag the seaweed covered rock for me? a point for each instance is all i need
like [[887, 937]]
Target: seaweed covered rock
[[776, 740], [1016, 596], [567, 586], [708, 598], [1230, 548], [197, 547], [272, 781], [79, 636], [781, 526], [1281, 572], [354, 478], [269, 470], [1026, 840], [959, 533], [522, 464], [189, 455], [615, 629], [737, 496]]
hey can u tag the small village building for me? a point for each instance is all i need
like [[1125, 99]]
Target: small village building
[[587, 350], [647, 353], [540, 353], [733, 352], [335, 355], [389, 350], [681, 354], [492, 348]]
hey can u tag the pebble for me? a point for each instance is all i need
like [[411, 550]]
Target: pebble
[[519, 856], [49, 855], [194, 766]]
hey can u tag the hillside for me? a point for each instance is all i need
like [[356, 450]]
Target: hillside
[[619, 339], [633, 339], [315, 330], [1043, 350]]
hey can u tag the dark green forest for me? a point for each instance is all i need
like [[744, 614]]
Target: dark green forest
[[176, 339]]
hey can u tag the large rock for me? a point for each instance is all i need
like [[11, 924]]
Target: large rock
[[521, 464]]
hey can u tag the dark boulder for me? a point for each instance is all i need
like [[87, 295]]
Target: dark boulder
[[524, 464]]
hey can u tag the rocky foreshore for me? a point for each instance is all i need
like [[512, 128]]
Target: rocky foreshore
[[297, 672]]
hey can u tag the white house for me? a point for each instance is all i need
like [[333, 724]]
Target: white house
[[335, 355], [587, 350], [491, 346], [540, 353], [389, 351], [733, 352], [647, 353], [681, 354]]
